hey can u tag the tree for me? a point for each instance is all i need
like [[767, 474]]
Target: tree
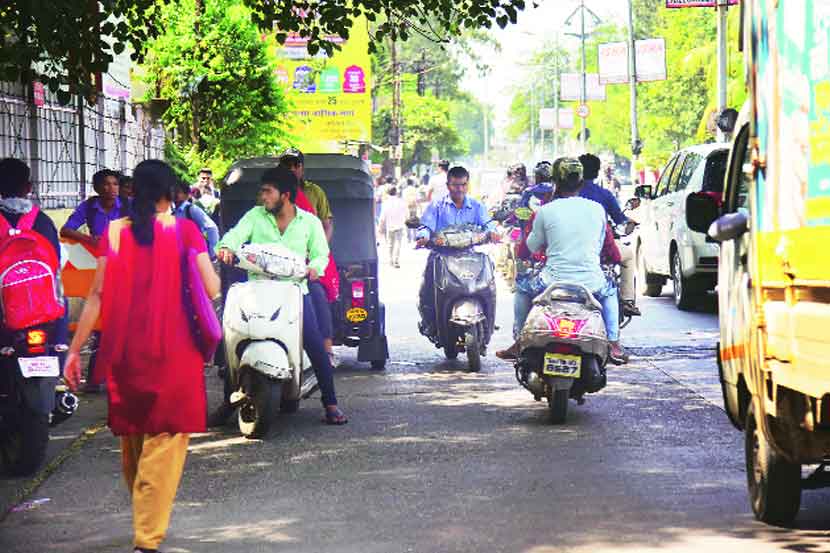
[[63, 42], [218, 74]]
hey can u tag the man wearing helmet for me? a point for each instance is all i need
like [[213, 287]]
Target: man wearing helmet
[[572, 230]]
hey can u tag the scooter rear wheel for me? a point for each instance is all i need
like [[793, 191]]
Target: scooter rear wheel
[[23, 449], [257, 412], [558, 405]]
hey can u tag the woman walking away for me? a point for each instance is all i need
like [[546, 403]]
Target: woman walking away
[[156, 387]]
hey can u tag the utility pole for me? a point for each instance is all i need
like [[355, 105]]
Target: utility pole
[[556, 99], [583, 95], [632, 83], [396, 108], [722, 8], [532, 120]]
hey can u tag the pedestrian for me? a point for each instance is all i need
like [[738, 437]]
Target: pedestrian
[[96, 213], [438, 182], [156, 386], [184, 207], [125, 189], [410, 198], [393, 216]]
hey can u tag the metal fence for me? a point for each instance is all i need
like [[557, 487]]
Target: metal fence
[[66, 145]]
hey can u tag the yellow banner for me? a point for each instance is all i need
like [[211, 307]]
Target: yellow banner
[[330, 96]]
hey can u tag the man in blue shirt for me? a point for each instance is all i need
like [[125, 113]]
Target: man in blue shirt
[[456, 208], [592, 191], [183, 207], [97, 211]]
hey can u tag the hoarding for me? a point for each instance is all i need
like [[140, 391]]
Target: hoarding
[[547, 119], [331, 101], [570, 86], [699, 3], [651, 61]]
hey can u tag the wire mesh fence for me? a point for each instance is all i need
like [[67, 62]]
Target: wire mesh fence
[[66, 145]]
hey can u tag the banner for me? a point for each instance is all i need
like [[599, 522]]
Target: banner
[[330, 96], [651, 61], [547, 119], [699, 3], [570, 86]]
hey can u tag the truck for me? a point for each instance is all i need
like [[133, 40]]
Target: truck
[[772, 224]]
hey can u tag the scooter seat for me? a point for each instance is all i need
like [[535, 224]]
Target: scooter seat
[[568, 292]]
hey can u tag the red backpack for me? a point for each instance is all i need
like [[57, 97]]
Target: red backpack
[[29, 292]]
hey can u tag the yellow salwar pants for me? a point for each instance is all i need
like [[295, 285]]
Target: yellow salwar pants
[[152, 466]]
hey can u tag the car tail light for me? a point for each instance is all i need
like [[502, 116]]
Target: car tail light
[[36, 339], [358, 293]]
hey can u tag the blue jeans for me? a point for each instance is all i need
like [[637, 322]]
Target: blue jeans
[[313, 345], [529, 288], [321, 308]]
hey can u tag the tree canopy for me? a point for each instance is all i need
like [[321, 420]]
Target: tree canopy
[[66, 44]]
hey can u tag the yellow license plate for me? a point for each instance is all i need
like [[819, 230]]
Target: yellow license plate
[[356, 315], [560, 364]]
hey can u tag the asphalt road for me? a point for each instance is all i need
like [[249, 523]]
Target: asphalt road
[[436, 459]]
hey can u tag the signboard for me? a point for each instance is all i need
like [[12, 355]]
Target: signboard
[[651, 61], [330, 96], [583, 111], [547, 119], [38, 94], [570, 86], [699, 3]]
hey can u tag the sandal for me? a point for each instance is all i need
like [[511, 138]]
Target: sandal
[[336, 417]]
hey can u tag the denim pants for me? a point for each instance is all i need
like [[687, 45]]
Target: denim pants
[[313, 345], [322, 308], [528, 288]]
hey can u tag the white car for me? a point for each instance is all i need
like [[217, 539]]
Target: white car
[[666, 248]]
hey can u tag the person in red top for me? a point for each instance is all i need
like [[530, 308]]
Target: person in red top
[[156, 386]]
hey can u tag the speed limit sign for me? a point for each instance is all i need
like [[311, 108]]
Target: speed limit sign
[[583, 111]]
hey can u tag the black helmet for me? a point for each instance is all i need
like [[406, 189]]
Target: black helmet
[[518, 170], [291, 155], [543, 172]]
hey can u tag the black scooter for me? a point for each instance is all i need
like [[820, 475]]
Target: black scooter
[[464, 293], [30, 399]]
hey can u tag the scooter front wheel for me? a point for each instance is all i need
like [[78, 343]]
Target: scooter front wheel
[[257, 411], [471, 344]]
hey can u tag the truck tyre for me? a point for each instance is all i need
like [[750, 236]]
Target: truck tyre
[[256, 413], [774, 482], [649, 284], [687, 291], [558, 405], [24, 449]]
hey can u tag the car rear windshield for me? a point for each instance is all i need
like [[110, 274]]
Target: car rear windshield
[[715, 171]]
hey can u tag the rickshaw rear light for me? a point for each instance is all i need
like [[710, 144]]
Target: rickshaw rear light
[[358, 293]]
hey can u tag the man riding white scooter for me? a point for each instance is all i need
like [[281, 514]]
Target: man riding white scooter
[[573, 231], [279, 220]]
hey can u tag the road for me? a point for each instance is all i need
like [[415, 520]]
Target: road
[[436, 459]]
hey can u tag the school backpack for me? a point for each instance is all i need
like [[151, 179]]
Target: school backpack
[[29, 290]]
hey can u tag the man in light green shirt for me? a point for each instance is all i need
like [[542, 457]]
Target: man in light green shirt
[[279, 221]]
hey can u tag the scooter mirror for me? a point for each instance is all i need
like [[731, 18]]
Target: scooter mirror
[[523, 213]]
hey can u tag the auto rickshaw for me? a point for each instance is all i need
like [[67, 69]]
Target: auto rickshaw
[[358, 314]]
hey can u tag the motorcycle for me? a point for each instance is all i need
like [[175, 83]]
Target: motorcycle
[[563, 348], [262, 324], [30, 399], [511, 229], [464, 294]]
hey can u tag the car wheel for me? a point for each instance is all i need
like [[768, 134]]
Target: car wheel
[[686, 290], [649, 284]]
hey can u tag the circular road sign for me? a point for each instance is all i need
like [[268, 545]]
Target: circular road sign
[[583, 111]]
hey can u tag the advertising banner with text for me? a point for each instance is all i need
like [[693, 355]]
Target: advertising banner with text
[[570, 86], [651, 61], [699, 3], [330, 96]]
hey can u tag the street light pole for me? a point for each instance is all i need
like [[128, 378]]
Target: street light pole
[[723, 6], [632, 83], [583, 99]]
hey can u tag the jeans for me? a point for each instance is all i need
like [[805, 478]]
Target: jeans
[[313, 345], [321, 308], [528, 288], [394, 239]]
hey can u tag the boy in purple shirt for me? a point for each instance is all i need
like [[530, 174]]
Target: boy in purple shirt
[[96, 212]]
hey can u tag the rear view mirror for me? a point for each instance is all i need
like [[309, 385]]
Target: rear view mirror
[[643, 191], [729, 227], [524, 213], [701, 211]]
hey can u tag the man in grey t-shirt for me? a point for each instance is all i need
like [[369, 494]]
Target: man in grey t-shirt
[[572, 230]]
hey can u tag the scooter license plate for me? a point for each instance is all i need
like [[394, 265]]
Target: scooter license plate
[[560, 364], [39, 366]]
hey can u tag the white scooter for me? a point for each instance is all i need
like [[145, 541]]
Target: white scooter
[[263, 329]]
